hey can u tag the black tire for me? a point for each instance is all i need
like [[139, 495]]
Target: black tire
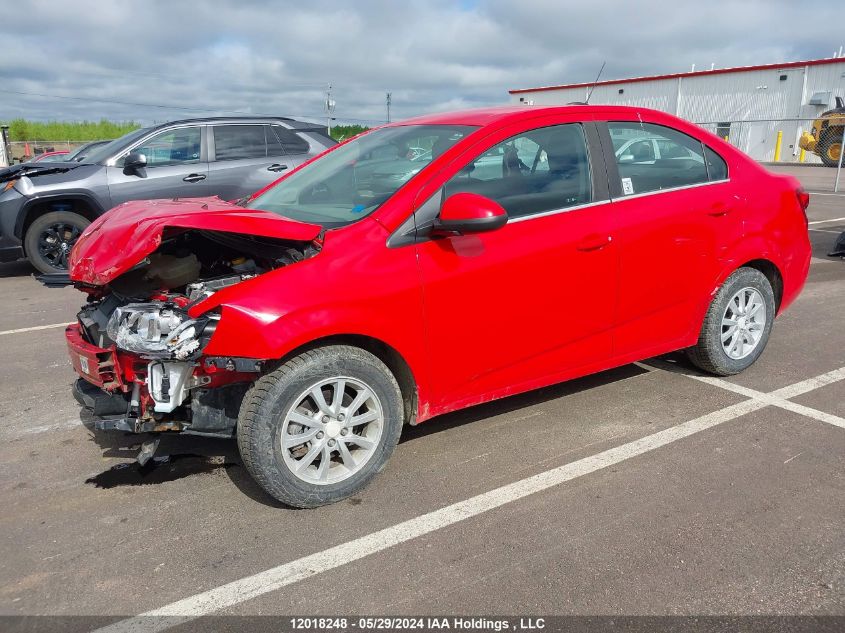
[[708, 354], [827, 142], [267, 403], [50, 237]]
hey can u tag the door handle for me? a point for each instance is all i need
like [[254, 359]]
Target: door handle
[[719, 210], [194, 177], [277, 167], [594, 243]]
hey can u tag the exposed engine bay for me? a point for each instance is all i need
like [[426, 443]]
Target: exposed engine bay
[[147, 349]]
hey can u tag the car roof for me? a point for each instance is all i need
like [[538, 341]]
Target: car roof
[[504, 114], [294, 123]]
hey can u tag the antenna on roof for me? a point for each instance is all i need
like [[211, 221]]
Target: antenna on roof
[[590, 94]]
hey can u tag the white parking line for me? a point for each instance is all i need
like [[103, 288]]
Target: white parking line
[[811, 384], [264, 582], [14, 433], [778, 398], [809, 412], [825, 221], [33, 329]]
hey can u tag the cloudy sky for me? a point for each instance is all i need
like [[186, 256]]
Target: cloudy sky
[[154, 60]]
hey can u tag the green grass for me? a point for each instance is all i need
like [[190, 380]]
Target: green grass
[[23, 130], [82, 131]]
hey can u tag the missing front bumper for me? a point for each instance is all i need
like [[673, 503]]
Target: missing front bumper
[[97, 401]]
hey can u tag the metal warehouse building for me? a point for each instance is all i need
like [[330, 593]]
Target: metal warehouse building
[[749, 105]]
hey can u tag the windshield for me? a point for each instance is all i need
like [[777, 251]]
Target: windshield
[[77, 152], [355, 179], [83, 150], [99, 154]]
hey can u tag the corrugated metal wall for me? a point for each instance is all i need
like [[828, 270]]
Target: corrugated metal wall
[[755, 102]]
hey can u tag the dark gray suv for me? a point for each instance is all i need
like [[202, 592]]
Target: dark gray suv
[[44, 207]]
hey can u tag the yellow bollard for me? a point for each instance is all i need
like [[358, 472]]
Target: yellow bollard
[[801, 155], [778, 143]]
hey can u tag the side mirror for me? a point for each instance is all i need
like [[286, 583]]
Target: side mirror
[[134, 161], [469, 213]]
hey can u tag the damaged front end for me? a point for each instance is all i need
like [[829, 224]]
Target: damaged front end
[[136, 346]]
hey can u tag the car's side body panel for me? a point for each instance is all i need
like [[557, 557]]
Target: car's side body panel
[[485, 315], [482, 316]]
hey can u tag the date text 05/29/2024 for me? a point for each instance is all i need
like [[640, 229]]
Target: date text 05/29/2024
[[417, 623]]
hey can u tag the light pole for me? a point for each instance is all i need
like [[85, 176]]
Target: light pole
[[388, 107], [330, 106]]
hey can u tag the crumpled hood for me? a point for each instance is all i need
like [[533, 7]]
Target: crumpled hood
[[123, 237]]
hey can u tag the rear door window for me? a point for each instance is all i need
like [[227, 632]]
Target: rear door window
[[678, 162], [538, 171], [235, 142], [274, 147]]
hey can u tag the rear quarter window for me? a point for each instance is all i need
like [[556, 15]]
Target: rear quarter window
[[717, 168], [290, 142]]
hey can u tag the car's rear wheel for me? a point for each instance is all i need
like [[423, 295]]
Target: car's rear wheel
[[737, 325], [320, 427], [50, 238]]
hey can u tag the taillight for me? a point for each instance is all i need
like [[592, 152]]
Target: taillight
[[804, 202]]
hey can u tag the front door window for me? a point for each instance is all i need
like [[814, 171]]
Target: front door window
[[542, 170], [173, 147]]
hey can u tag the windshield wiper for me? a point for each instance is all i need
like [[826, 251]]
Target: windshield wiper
[[30, 170]]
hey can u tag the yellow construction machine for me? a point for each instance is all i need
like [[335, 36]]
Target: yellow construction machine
[[825, 138]]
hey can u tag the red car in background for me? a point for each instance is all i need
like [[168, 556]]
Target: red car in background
[[49, 157], [366, 290]]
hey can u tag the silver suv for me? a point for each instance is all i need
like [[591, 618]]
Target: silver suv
[[45, 207]]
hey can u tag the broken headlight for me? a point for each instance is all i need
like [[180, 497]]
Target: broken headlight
[[154, 329]]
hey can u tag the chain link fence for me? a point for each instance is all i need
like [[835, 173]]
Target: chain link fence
[[21, 151], [792, 146]]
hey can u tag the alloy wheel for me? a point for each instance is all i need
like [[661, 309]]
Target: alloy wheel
[[332, 430], [743, 323], [56, 241]]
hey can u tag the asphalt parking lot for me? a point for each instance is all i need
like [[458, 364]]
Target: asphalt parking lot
[[645, 490]]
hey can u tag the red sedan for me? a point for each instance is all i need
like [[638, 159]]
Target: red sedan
[[377, 286], [49, 157]]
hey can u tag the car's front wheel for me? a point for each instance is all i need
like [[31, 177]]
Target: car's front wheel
[[320, 427], [50, 238], [737, 325]]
